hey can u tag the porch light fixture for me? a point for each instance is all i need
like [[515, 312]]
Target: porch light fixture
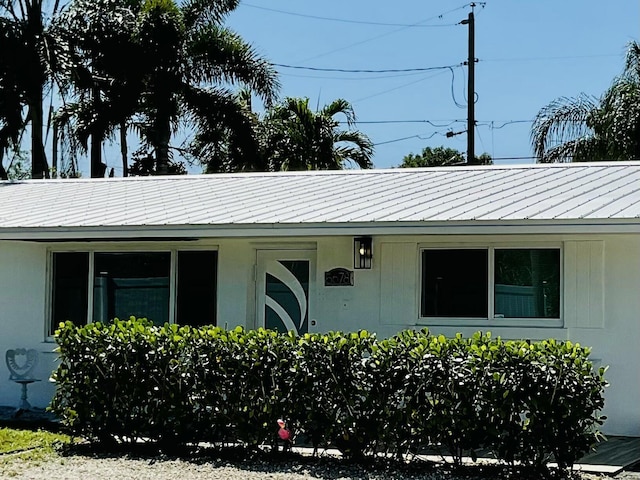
[[362, 252]]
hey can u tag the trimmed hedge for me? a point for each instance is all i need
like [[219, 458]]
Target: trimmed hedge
[[525, 401]]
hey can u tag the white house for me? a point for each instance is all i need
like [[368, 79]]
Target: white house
[[523, 251]]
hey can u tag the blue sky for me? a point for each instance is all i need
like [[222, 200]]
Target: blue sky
[[529, 54]]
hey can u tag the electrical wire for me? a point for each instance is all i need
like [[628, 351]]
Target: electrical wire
[[383, 92], [348, 70], [535, 59], [359, 78], [453, 93], [430, 122], [421, 137], [343, 20], [366, 40]]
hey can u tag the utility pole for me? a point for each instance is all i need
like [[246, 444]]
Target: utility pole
[[471, 94]]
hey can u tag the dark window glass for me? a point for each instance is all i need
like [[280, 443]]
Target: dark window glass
[[454, 283], [196, 302], [287, 295], [527, 283], [70, 288], [127, 284]]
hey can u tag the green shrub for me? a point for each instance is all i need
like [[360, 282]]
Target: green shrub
[[527, 402]]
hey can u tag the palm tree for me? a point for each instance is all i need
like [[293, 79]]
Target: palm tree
[[154, 66], [297, 138], [586, 128], [228, 140], [104, 80], [11, 122], [189, 58], [31, 56]]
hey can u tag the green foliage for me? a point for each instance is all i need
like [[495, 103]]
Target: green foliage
[[441, 157], [527, 402], [586, 128], [12, 440], [294, 137]]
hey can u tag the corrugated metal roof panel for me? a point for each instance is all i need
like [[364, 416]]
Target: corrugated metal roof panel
[[577, 192]]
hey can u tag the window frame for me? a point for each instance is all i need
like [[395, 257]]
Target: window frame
[[131, 248], [491, 320]]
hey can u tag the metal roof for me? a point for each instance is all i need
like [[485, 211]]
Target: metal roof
[[597, 193]]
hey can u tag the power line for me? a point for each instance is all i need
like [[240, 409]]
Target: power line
[[421, 137], [347, 70], [344, 20], [430, 122], [481, 123], [533, 59], [358, 78], [382, 35], [396, 88]]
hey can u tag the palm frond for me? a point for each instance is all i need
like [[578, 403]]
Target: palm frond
[[340, 106], [217, 54], [224, 138], [360, 148], [199, 12], [632, 61], [561, 121], [584, 149]]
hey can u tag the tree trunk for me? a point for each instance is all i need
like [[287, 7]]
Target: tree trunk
[[124, 149], [97, 167], [39, 166], [163, 132], [97, 135], [3, 172]]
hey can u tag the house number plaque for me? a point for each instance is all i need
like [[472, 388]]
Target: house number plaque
[[338, 277]]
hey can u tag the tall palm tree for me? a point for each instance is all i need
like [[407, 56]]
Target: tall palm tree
[[155, 66], [11, 121], [189, 59], [586, 128], [297, 138], [104, 81], [228, 139], [31, 56]]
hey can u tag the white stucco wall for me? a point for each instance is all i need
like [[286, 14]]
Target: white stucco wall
[[601, 300], [22, 310]]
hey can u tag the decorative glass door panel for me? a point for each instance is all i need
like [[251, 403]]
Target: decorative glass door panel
[[285, 285]]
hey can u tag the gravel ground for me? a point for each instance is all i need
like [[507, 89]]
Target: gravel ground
[[122, 468]]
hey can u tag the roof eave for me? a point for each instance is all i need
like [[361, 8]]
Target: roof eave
[[193, 232]]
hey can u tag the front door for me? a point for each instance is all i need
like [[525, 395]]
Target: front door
[[285, 289]]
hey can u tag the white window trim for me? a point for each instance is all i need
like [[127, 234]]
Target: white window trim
[[491, 320], [119, 248]]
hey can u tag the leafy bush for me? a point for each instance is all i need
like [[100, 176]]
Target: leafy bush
[[527, 402]]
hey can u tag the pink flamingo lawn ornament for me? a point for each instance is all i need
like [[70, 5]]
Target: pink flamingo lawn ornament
[[284, 434]]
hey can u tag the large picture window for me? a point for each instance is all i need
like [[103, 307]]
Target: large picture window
[[122, 284], [510, 283]]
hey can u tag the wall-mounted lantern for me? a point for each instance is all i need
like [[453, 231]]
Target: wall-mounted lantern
[[362, 252]]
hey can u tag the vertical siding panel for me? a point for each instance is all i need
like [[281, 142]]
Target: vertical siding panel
[[596, 287], [398, 293], [584, 284], [570, 298]]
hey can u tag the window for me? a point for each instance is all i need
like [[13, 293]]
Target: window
[[454, 283], [509, 283], [197, 288], [126, 284], [134, 283], [527, 283], [70, 288]]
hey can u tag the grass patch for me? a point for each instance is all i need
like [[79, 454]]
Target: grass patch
[[20, 449], [12, 440]]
